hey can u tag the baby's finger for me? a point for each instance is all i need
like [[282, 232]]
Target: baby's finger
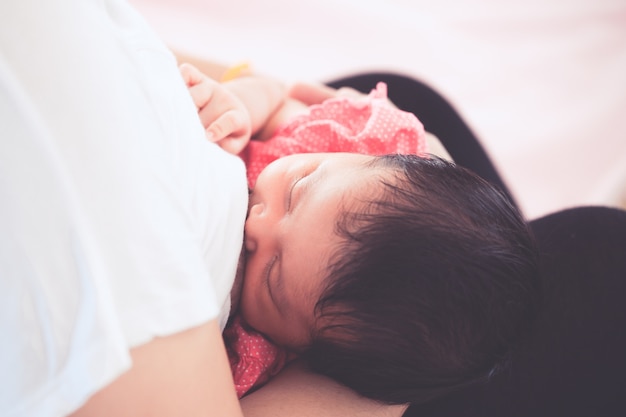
[[232, 122], [201, 94], [350, 92], [191, 75], [311, 93], [234, 145]]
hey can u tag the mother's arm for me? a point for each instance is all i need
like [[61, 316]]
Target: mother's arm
[[185, 374], [298, 392]]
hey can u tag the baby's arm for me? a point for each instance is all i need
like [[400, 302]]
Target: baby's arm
[[263, 97], [233, 111]]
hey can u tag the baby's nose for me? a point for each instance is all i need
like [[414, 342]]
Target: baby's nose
[[256, 209]]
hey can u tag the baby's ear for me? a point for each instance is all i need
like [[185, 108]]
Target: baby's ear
[[191, 75]]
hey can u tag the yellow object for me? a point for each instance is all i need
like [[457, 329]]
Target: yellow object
[[235, 71]]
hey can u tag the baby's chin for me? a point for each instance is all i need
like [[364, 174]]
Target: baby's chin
[[235, 292]]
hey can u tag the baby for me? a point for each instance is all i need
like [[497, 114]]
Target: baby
[[402, 277]]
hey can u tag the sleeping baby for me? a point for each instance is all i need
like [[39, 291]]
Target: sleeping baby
[[392, 271]]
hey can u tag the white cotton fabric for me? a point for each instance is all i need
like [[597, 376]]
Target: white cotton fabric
[[119, 222]]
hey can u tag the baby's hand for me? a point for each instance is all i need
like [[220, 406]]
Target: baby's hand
[[309, 93], [225, 118]]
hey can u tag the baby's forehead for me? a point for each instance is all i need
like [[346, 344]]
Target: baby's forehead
[[365, 200], [374, 185]]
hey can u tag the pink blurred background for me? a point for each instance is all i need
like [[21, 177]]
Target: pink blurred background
[[541, 82]]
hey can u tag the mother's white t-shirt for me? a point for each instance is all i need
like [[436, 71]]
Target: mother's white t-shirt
[[119, 222]]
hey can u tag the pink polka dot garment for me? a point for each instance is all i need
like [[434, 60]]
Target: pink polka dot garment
[[369, 125], [253, 359]]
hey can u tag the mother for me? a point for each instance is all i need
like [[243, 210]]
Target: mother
[[109, 233]]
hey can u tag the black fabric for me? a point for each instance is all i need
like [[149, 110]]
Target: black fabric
[[574, 362]]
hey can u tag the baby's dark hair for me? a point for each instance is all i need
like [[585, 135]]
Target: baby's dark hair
[[434, 285]]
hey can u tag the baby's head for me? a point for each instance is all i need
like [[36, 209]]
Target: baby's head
[[403, 278]]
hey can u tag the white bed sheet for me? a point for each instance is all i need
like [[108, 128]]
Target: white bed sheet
[[542, 83]]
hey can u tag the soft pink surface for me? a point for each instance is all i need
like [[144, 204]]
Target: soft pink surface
[[541, 82]]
